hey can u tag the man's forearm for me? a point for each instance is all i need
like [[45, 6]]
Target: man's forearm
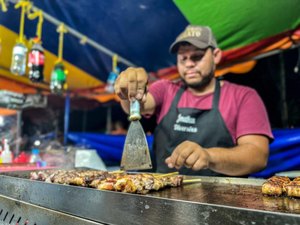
[[237, 161]]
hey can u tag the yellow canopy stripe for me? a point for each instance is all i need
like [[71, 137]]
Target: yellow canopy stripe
[[61, 30], [3, 6], [23, 4], [77, 78]]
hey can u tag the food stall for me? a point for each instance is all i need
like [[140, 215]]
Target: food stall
[[209, 201]]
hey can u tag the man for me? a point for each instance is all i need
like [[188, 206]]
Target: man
[[205, 127]]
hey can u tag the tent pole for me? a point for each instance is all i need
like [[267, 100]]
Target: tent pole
[[67, 118], [84, 120], [108, 120], [18, 134], [284, 107]]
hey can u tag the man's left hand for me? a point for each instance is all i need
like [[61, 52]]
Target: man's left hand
[[190, 155]]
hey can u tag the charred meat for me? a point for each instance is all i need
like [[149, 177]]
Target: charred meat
[[103, 180], [275, 185]]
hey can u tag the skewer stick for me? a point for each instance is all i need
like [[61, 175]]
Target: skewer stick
[[166, 175], [191, 181], [117, 171]]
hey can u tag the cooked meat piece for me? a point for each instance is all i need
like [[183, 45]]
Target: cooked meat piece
[[94, 183], [274, 185], [106, 186], [291, 204], [272, 202], [75, 177], [34, 175], [272, 188], [292, 189], [174, 181], [40, 175], [280, 179], [157, 184], [125, 184], [103, 180], [138, 183], [296, 178]]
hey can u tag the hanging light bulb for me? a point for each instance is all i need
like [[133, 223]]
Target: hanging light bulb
[[36, 60], [58, 79], [18, 63], [296, 68]]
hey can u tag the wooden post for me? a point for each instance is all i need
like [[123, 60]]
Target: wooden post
[[108, 120]]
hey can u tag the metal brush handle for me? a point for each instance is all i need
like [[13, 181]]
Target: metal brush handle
[[135, 113]]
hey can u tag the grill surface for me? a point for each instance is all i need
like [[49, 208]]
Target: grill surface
[[236, 195], [213, 201]]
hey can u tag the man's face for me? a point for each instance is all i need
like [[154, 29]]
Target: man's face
[[195, 66]]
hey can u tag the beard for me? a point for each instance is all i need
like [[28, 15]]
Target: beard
[[200, 84]]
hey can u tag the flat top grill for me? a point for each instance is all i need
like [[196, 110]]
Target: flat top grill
[[213, 201], [235, 195]]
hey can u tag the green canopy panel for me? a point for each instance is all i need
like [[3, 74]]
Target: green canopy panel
[[237, 23]]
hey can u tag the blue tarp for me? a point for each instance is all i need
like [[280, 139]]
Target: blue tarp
[[284, 151], [109, 147]]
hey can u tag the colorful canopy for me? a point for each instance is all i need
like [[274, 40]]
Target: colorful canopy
[[141, 32]]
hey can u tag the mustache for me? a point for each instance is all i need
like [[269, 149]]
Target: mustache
[[199, 85], [191, 71]]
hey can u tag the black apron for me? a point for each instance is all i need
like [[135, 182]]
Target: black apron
[[205, 127]]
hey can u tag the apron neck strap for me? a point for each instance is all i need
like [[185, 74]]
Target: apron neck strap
[[216, 96]]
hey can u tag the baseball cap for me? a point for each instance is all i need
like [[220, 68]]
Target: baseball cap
[[199, 36]]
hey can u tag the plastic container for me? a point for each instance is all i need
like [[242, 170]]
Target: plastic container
[[58, 79], [35, 157], [110, 82], [22, 158], [6, 154], [36, 60], [18, 64]]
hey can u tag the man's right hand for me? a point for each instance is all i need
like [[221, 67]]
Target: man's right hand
[[132, 84]]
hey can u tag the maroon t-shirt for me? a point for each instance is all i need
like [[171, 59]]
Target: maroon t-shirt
[[241, 107]]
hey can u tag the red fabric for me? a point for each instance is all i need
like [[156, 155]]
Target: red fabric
[[241, 108], [240, 53], [9, 167]]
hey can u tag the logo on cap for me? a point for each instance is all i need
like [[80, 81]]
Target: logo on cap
[[191, 32]]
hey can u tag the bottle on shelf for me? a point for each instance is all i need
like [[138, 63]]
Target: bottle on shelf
[[21, 158], [58, 79], [18, 64], [36, 61], [111, 81], [36, 158], [6, 154]]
